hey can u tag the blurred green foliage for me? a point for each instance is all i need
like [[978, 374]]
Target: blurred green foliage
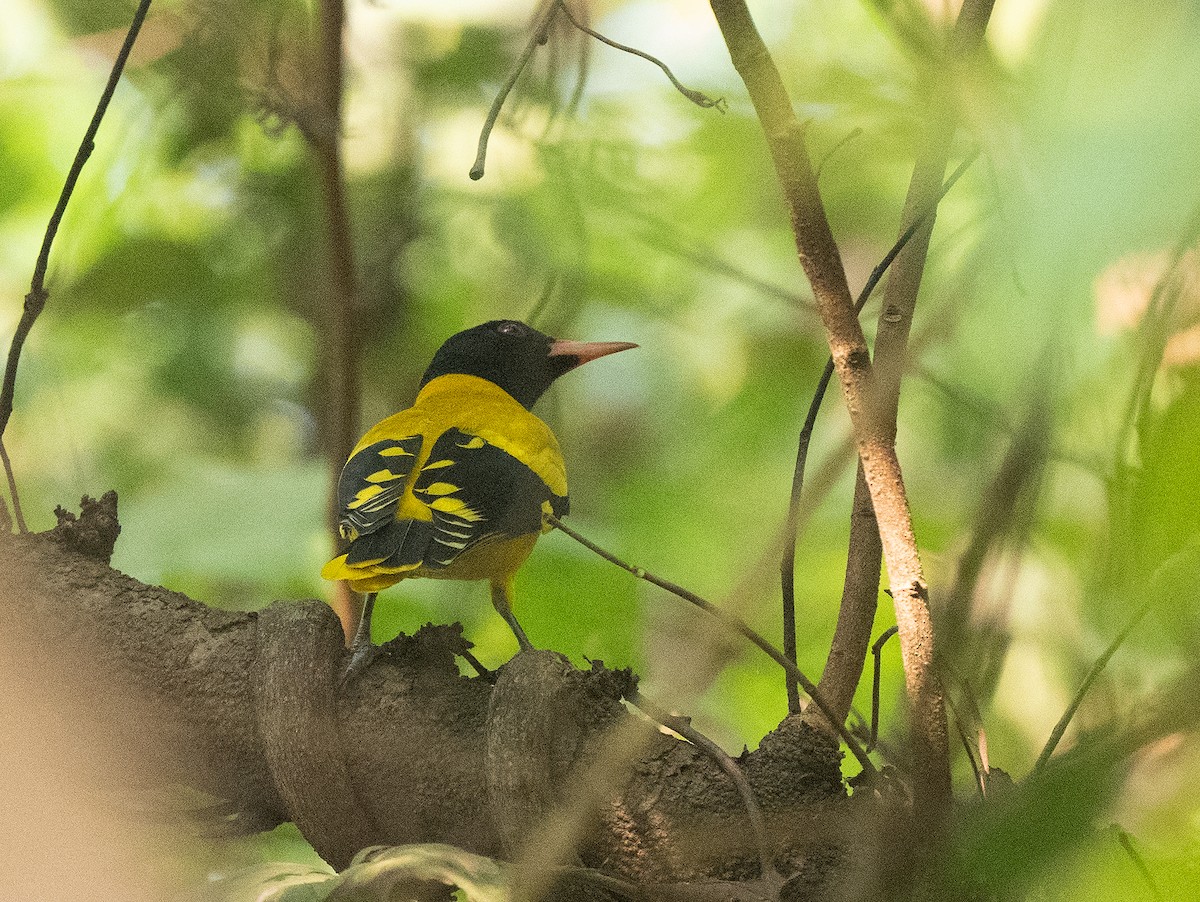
[[178, 359]]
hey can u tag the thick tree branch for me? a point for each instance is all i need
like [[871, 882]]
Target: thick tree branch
[[241, 706], [822, 263]]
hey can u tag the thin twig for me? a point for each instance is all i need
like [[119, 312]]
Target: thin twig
[[901, 242], [549, 292], [1101, 662], [698, 891], [787, 566], [1155, 330], [1162, 303], [683, 726], [992, 417], [697, 97], [658, 235], [854, 133], [35, 300], [550, 82], [582, 71], [877, 651], [980, 779], [12, 490], [536, 39], [731, 621], [477, 666], [1135, 856]]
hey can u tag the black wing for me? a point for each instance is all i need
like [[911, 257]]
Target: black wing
[[372, 483], [477, 492]]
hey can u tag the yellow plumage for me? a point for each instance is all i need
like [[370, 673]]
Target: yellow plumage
[[479, 408], [458, 485]]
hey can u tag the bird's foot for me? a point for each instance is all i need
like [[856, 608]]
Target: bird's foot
[[489, 676], [362, 655]]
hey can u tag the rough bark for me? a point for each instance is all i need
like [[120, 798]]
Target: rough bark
[[245, 707]]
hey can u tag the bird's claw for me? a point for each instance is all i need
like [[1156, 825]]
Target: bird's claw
[[361, 657]]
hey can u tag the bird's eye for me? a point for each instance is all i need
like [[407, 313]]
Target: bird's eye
[[511, 329]]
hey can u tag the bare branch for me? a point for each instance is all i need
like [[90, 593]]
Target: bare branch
[[12, 490], [876, 652], [1094, 671], [787, 565], [542, 22], [867, 530], [1139, 863], [821, 260], [35, 300], [1173, 576], [697, 97]]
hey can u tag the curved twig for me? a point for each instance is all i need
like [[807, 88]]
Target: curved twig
[[537, 38], [583, 69], [12, 490], [877, 651], [697, 97], [683, 726], [734, 623], [854, 133]]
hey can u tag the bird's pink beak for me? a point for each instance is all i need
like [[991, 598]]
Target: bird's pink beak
[[583, 351]]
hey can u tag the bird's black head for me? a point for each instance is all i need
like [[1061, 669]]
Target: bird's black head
[[516, 357]]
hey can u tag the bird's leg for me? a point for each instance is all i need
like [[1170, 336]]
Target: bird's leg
[[362, 652], [502, 602], [488, 675]]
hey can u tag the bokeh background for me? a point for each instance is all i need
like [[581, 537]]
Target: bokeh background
[[179, 359]]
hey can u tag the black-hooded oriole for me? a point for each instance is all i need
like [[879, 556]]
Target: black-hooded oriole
[[456, 486]]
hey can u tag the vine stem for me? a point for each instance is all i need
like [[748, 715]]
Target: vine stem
[[35, 300]]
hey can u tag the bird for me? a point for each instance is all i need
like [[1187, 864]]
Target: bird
[[458, 485]]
